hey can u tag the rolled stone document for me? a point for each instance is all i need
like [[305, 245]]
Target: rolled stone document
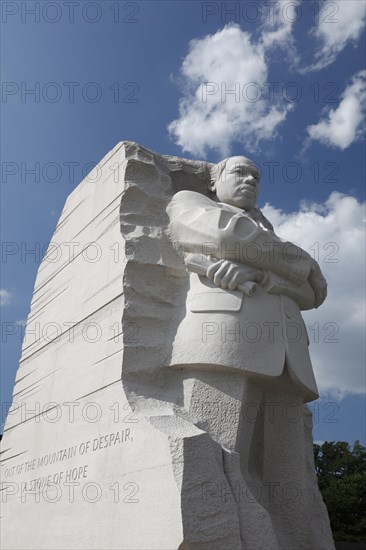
[[194, 264]]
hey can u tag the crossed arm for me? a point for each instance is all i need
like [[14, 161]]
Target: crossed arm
[[202, 226], [230, 275]]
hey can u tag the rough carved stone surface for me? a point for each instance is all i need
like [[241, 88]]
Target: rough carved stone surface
[[108, 444]]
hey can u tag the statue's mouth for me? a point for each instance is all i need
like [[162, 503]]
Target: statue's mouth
[[247, 187]]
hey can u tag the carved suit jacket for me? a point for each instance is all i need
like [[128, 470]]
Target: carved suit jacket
[[225, 329]]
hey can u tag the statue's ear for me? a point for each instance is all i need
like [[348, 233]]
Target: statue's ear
[[212, 186]]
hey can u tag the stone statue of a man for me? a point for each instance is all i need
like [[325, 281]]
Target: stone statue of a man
[[235, 244], [244, 342]]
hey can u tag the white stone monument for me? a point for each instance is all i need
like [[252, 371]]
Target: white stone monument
[[160, 400]]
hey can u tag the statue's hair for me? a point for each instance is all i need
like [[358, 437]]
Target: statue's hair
[[217, 170]]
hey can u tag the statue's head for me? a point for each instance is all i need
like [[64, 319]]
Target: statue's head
[[235, 180]]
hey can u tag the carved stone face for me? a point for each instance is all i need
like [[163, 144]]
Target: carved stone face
[[238, 185]]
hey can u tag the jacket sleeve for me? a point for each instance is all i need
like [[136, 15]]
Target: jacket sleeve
[[275, 284], [200, 225]]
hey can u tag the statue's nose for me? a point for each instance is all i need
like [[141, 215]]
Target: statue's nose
[[250, 180]]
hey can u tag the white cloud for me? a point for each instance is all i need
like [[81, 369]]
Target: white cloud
[[277, 29], [210, 117], [5, 297], [340, 22], [333, 232], [343, 125]]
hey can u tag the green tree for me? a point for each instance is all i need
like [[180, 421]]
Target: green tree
[[341, 472]]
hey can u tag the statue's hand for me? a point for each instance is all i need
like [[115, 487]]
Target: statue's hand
[[318, 283], [229, 274]]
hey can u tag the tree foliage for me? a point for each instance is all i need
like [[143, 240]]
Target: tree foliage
[[341, 472]]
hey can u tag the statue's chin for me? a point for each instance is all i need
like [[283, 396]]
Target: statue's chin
[[242, 203]]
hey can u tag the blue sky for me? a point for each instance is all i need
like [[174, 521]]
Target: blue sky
[[113, 71]]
